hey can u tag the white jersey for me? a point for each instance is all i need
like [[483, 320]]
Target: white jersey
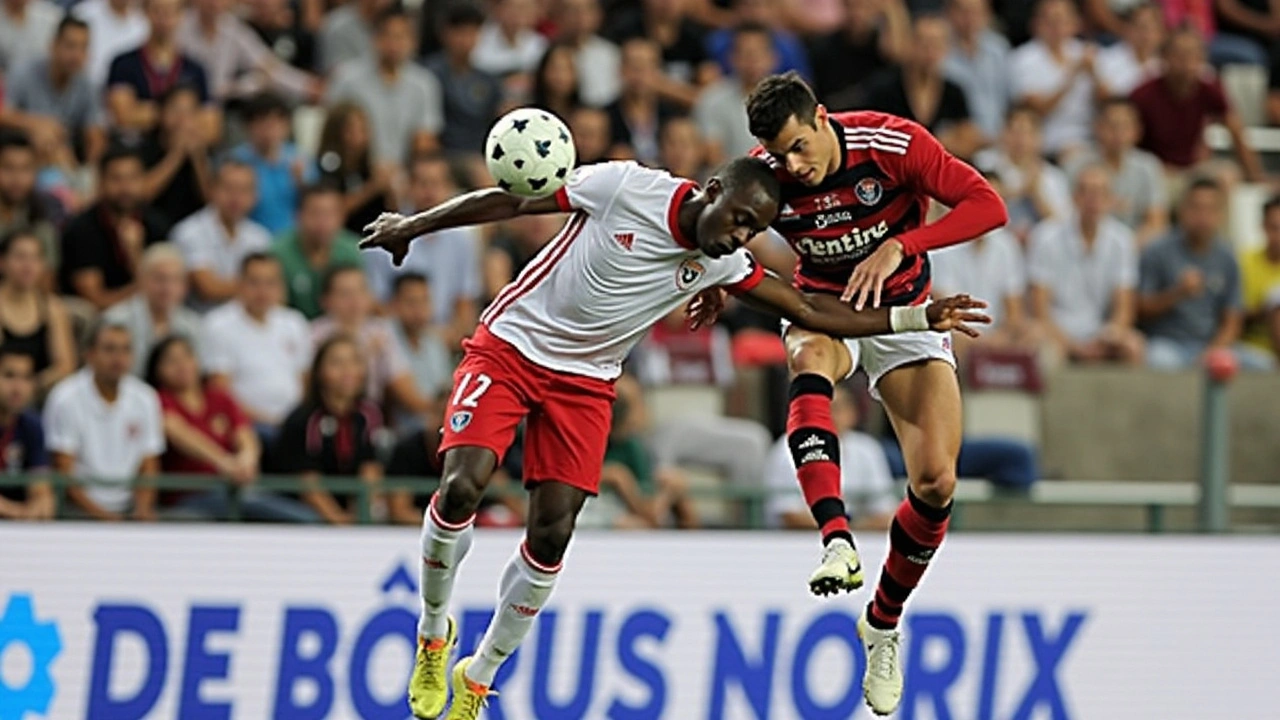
[[618, 266]]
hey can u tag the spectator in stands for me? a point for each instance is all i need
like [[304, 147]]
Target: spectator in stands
[[1055, 74], [177, 158], [334, 432], [318, 245], [24, 451], [508, 43], [206, 433], [289, 34], [876, 34], [1176, 106], [52, 99], [788, 51], [1034, 189], [1260, 280], [1189, 289], [115, 27], [1137, 178], [346, 162], [681, 149], [157, 310], [919, 91], [138, 78], [348, 311], [1083, 269], [235, 58], [26, 28], [216, 239], [555, 81], [101, 246], [721, 109], [684, 64], [103, 427], [256, 348], [598, 60], [281, 169], [592, 134], [516, 243], [471, 96], [979, 63], [639, 112], [401, 98], [427, 355], [21, 206], [347, 33], [33, 320], [867, 484], [1248, 29], [1136, 58], [451, 258]]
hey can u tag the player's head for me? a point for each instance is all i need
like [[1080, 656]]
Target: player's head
[[785, 117], [743, 197]]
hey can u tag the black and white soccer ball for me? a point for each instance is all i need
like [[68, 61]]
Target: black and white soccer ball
[[529, 152]]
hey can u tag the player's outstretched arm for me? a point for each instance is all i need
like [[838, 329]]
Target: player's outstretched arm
[[828, 315], [394, 232]]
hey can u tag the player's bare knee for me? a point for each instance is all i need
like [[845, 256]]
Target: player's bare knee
[[936, 488], [548, 536], [813, 354], [460, 494]]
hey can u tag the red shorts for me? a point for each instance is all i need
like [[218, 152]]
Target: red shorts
[[495, 387]]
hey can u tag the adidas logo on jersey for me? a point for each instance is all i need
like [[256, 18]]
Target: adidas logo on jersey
[[626, 240], [787, 210], [811, 442]]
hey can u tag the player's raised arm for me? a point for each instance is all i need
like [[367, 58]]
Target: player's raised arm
[[827, 314]]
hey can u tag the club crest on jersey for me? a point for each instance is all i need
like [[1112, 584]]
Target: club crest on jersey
[[460, 420], [688, 273], [868, 191]]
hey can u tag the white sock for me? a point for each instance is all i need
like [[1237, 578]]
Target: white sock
[[444, 545], [526, 585]]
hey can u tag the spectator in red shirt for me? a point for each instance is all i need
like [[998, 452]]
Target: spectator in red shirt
[[1177, 105], [207, 433]]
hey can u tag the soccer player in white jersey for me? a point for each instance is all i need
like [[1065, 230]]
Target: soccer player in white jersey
[[638, 244]]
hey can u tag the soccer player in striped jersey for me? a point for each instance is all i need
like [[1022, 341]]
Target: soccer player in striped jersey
[[638, 244], [856, 188]]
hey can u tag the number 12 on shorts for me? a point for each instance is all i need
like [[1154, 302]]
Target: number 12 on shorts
[[463, 398]]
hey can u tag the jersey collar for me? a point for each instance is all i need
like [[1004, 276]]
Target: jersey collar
[[673, 213]]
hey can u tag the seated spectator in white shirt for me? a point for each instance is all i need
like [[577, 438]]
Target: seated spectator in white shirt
[[1137, 178], [24, 452], [258, 348], [115, 27], [1034, 188], [1136, 59], [1055, 74], [53, 100], [1083, 271], [979, 63], [427, 355], [451, 258], [867, 485], [104, 428], [348, 310], [157, 311], [215, 240], [509, 43], [598, 60]]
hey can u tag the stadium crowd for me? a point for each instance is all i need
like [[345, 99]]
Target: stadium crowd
[[181, 291]]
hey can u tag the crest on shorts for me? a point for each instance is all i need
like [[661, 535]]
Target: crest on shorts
[[460, 420], [868, 191], [688, 273]]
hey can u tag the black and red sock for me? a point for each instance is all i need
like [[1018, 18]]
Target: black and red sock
[[914, 536], [815, 448]]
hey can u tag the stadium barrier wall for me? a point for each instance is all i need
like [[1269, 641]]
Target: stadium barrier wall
[[219, 621]]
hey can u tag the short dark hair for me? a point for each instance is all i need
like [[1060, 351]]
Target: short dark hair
[[182, 88], [70, 22], [393, 12], [10, 350], [405, 279], [1023, 108], [463, 14], [10, 138], [1116, 101], [256, 257], [1271, 205], [228, 163], [748, 27], [9, 239], [264, 104], [1202, 183], [775, 100], [747, 172], [100, 327], [315, 189], [115, 154], [152, 372], [332, 274]]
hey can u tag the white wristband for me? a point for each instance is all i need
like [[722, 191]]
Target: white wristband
[[908, 319]]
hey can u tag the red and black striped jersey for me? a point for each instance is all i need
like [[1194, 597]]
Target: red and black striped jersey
[[889, 171]]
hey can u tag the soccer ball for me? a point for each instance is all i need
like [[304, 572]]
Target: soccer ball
[[529, 152]]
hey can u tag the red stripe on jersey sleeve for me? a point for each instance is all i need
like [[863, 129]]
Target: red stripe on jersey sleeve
[[562, 200], [748, 283]]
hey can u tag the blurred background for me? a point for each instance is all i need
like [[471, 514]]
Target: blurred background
[[189, 335]]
